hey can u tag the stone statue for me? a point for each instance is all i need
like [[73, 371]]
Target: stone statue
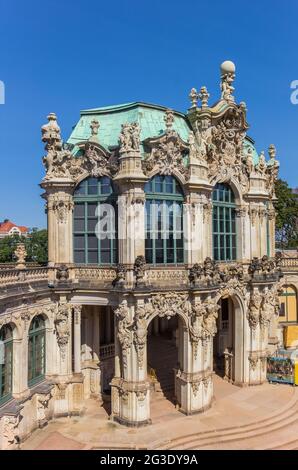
[[254, 308], [193, 96], [130, 137], [62, 325], [120, 275], [140, 269], [204, 96], [227, 78], [20, 253], [249, 160], [169, 119], [140, 334]]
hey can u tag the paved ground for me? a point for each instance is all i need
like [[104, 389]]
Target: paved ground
[[233, 407]]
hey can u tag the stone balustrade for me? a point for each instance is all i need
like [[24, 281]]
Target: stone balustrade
[[165, 276]]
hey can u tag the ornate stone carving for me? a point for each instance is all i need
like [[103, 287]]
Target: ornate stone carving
[[202, 325], [207, 273], [253, 361], [193, 96], [272, 171], [120, 279], [204, 96], [268, 307], [62, 273], [264, 266], [261, 165], [167, 152], [77, 309], [62, 207], [140, 270], [253, 313], [10, 432], [20, 254], [227, 78], [140, 334], [124, 333], [62, 325], [130, 137], [61, 163]]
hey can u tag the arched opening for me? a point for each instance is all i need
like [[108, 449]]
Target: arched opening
[[224, 223], [223, 342], [229, 343], [36, 350], [164, 221], [95, 222], [98, 352], [164, 356], [6, 363]]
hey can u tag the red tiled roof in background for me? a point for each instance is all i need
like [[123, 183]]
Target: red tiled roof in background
[[6, 226]]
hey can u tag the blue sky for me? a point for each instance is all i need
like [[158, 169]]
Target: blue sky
[[68, 55]]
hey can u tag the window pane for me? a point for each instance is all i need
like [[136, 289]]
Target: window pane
[[79, 210], [79, 257], [79, 241], [91, 224], [79, 225], [105, 256], [92, 257], [92, 242], [91, 209]]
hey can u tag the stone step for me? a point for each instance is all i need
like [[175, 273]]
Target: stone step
[[283, 417]]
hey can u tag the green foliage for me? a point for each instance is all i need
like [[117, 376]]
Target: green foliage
[[286, 208], [36, 246]]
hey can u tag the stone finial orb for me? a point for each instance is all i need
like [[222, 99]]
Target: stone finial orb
[[227, 67]]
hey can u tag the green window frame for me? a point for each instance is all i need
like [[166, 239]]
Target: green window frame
[[224, 223], [164, 242], [6, 368], [36, 350], [88, 247]]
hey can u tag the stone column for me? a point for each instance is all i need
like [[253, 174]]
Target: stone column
[[194, 386], [60, 226], [130, 388], [77, 338]]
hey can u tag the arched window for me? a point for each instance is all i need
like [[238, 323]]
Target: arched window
[[164, 221], [224, 223], [288, 304], [36, 350], [95, 222], [6, 351]]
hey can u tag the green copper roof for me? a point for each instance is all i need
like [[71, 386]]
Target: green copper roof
[[149, 116], [110, 118]]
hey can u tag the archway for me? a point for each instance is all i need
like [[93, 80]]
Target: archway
[[229, 341], [162, 357]]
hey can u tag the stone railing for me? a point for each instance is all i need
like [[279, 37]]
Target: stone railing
[[172, 276], [9, 277], [92, 274], [289, 264], [106, 351]]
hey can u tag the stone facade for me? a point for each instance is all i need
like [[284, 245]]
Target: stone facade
[[70, 296]]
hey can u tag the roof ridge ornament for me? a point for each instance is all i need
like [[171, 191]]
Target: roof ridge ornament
[[169, 119], [94, 126], [227, 70], [193, 96], [204, 96]]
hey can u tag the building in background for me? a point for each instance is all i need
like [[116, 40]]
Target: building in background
[[8, 228]]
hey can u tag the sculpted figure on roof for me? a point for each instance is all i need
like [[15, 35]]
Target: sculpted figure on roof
[[130, 137]]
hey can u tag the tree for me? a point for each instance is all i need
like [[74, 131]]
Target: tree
[[36, 245], [286, 208]]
